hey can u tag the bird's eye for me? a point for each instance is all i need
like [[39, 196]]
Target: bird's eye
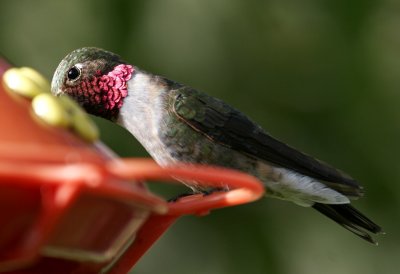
[[73, 73]]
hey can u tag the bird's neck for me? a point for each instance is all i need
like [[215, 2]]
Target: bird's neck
[[103, 94]]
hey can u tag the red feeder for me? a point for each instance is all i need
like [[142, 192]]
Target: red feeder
[[69, 206]]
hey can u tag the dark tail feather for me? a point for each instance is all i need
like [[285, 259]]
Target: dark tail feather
[[351, 219]]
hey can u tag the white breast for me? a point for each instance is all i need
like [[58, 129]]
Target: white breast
[[141, 114]]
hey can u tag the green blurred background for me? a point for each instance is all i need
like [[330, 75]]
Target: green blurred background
[[324, 76]]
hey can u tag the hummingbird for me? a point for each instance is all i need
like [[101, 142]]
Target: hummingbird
[[176, 123]]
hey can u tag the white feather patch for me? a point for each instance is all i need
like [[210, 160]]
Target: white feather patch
[[141, 113], [301, 189]]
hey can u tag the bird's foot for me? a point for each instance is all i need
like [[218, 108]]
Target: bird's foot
[[176, 198], [205, 192], [210, 191]]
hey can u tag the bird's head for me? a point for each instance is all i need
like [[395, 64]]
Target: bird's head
[[95, 78]]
